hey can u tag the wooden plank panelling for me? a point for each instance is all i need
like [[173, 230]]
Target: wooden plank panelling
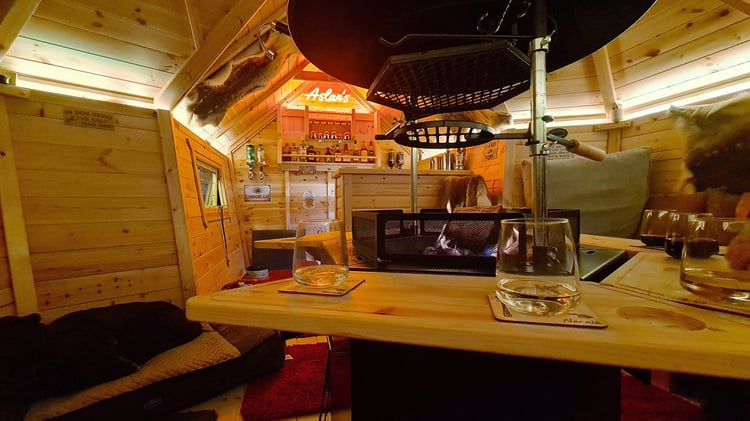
[[216, 248], [99, 223]]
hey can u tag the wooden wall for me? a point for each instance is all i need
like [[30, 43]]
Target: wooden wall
[[94, 203], [259, 215], [658, 131], [216, 247]]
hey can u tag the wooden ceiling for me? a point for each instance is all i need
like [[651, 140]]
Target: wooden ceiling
[[155, 52]]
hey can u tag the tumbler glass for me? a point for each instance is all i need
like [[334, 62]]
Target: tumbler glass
[[654, 227], [708, 268], [537, 266], [320, 254], [678, 224]]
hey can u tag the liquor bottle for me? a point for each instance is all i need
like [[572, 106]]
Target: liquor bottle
[[347, 157], [337, 154], [302, 151], [293, 151], [391, 158], [285, 151], [329, 155], [460, 157], [310, 154], [363, 154], [371, 153], [261, 158], [355, 152]]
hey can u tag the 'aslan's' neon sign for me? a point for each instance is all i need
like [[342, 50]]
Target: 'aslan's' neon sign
[[328, 96]]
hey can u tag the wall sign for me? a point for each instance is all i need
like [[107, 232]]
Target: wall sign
[[489, 151], [90, 119], [258, 193], [327, 96]]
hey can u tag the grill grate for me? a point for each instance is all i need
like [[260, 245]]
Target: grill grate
[[443, 134], [452, 79]]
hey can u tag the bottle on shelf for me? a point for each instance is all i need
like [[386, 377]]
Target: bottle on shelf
[[313, 134], [347, 157], [302, 151], [293, 151], [329, 155], [310, 153], [363, 154], [337, 154], [460, 158], [285, 151], [355, 152], [391, 158], [371, 153]]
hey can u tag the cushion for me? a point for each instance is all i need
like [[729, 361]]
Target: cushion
[[611, 194]]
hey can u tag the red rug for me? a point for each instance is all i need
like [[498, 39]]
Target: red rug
[[644, 402], [297, 389]]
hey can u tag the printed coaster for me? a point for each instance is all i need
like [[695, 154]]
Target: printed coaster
[[336, 291], [580, 316]]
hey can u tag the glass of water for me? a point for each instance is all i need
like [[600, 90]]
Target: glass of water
[[320, 254], [537, 266]]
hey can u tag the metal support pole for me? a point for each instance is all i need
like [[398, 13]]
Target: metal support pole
[[538, 145], [414, 178]]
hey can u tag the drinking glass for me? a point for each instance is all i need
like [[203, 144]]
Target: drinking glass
[[320, 254], [654, 227], [705, 269], [678, 224], [537, 266]]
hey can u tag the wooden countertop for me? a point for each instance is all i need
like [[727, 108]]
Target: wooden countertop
[[452, 311]]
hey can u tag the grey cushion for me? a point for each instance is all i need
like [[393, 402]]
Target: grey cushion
[[610, 194]]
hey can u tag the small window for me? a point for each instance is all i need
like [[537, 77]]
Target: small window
[[211, 186]]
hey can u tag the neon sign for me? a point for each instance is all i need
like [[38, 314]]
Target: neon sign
[[328, 96]]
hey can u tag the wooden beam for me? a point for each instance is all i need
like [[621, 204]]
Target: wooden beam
[[195, 67], [606, 83], [741, 5], [195, 27], [13, 17], [179, 218], [14, 223]]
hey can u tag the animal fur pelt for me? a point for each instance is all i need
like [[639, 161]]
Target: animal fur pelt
[[249, 72], [495, 119], [464, 191], [718, 143]]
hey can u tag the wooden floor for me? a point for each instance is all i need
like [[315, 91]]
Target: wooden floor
[[228, 404]]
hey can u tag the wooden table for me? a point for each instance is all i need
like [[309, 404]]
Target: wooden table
[[449, 311], [452, 312], [284, 243]]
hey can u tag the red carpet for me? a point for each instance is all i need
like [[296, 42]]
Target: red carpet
[[297, 389], [644, 402]]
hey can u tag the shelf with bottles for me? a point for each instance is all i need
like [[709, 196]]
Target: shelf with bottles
[[330, 151]]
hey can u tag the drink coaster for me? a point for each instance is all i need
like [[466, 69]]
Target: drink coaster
[[336, 291], [579, 316]]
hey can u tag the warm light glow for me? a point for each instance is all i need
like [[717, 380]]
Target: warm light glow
[[24, 82], [317, 96]]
